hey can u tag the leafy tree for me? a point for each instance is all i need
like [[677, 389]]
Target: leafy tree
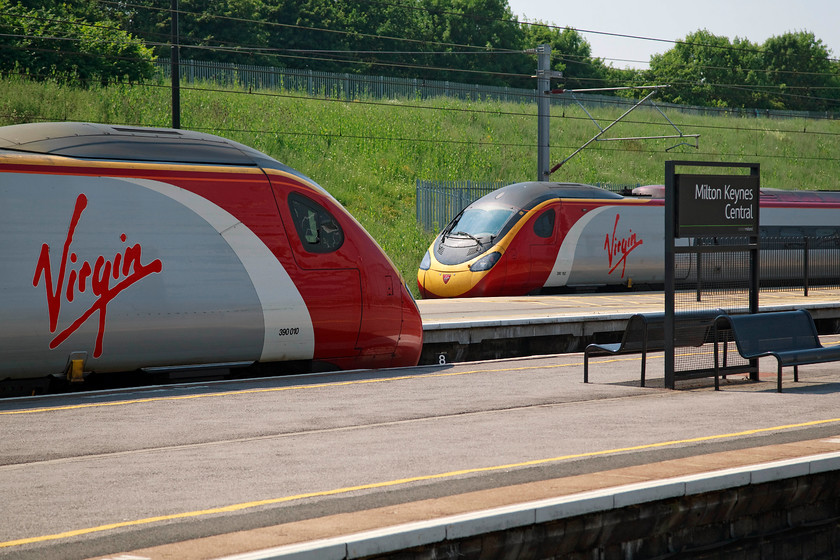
[[49, 43], [798, 68], [230, 28], [473, 41], [792, 71], [700, 68], [571, 54], [480, 35], [345, 35]]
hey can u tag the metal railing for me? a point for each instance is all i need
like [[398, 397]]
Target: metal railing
[[338, 85], [440, 201], [800, 263], [358, 86], [795, 263]]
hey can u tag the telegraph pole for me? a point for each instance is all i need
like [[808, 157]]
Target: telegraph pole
[[175, 69], [544, 75]]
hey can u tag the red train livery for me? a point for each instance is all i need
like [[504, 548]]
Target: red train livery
[[134, 248]]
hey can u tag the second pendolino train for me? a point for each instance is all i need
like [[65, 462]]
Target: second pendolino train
[[539, 237]]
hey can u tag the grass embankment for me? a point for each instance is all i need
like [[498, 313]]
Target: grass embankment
[[369, 154]]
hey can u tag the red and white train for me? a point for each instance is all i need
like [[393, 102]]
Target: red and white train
[[539, 237], [131, 248]]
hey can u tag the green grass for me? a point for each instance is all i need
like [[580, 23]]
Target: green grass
[[369, 154]]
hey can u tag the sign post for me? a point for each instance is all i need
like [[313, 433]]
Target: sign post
[[702, 206]]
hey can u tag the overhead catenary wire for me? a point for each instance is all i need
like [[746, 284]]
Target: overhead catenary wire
[[734, 86], [477, 110], [754, 89], [472, 109], [474, 50], [617, 101]]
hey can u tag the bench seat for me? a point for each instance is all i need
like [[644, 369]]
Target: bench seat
[[789, 336], [808, 355]]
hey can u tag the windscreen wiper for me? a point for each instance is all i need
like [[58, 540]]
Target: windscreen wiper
[[471, 236], [453, 223]]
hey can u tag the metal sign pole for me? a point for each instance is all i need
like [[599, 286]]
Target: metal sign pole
[[670, 261]]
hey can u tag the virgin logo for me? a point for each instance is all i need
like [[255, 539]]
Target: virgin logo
[[124, 269], [618, 248]]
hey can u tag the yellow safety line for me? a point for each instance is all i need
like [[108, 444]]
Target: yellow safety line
[[335, 384], [390, 483], [297, 387], [332, 384]]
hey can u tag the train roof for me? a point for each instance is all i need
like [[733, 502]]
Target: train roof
[[131, 143], [529, 194]]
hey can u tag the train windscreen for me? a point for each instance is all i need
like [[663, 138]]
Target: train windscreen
[[481, 222], [473, 232]]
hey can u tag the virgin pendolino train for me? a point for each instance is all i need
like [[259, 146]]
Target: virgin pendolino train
[[136, 248], [541, 237]]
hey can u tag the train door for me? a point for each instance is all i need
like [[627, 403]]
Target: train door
[[382, 311], [543, 250], [330, 282]]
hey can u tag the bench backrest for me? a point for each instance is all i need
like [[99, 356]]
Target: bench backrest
[[779, 331], [691, 328], [634, 332]]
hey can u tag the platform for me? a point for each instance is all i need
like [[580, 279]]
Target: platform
[[456, 330], [362, 459]]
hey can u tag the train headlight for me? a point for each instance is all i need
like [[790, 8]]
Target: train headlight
[[426, 263], [486, 262]]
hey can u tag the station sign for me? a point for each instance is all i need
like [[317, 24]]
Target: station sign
[[716, 205]]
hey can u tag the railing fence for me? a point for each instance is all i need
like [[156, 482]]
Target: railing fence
[[440, 201], [357, 86]]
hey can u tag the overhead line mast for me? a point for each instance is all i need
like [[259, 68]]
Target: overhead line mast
[[544, 75]]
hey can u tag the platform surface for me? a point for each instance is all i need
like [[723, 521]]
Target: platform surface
[[210, 470], [447, 313]]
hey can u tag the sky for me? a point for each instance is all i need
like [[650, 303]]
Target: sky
[[756, 20]]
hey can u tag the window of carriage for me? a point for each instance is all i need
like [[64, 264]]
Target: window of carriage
[[544, 225], [318, 230]]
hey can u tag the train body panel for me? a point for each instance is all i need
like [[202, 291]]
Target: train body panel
[[144, 264], [609, 245], [559, 238], [132, 296]]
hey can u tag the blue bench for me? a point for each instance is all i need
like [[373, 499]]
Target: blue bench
[[789, 336], [645, 332]]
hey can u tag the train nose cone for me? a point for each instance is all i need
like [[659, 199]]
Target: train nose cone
[[445, 283]]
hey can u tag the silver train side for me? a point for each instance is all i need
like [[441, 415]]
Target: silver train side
[[782, 232]]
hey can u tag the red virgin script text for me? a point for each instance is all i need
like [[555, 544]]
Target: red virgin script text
[[620, 248], [125, 269]]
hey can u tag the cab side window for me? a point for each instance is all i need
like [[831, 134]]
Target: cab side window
[[318, 230], [544, 225]]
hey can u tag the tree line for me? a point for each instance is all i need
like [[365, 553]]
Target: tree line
[[473, 41]]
